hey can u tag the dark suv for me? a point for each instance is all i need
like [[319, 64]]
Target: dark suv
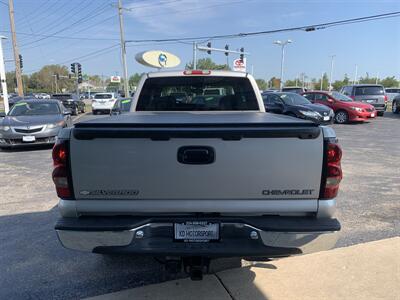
[[373, 94], [71, 102]]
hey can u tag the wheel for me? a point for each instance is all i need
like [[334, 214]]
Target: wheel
[[395, 108], [83, 110], [94, 112], [341, 117], [75, 111], [380, 113]]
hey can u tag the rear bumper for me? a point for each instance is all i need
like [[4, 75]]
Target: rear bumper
[[239, 237]]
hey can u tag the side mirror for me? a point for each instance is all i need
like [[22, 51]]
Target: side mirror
[[67, 112], [2, 114]]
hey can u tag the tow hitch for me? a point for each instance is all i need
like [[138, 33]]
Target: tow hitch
[[194, 266]]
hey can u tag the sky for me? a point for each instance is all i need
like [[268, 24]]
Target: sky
[[373, 46]]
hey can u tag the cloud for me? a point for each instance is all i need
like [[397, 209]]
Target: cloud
[[174, 16]]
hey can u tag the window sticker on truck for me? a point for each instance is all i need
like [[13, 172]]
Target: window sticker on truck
[[287, 192], [110, 193]]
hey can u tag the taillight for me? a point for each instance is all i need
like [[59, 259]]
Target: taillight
[[386, 98], [333, 171], [61, 172]]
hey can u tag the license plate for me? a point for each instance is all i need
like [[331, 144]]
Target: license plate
[[196, 231], [370, 101], [28, 138], [372, 115], [326, 118]]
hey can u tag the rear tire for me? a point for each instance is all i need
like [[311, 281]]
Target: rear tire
[[75, 111], [83, 110], [395, 107], [341, 117], [94, 112]]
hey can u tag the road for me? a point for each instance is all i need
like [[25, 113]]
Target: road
[[34, 265]]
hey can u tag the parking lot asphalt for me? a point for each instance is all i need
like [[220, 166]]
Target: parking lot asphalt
[[34, 265]]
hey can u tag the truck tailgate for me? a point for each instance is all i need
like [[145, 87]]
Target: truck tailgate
[[254, 157]]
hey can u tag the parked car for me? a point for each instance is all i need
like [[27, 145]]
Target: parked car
[[373, 94], [72, 102], [392, 93], [42, 96], [294, 89], [346, 109], [15, 99], [103, 103], [33, 122], [396, 104], [183, 181], [121, 106], [295, 105]]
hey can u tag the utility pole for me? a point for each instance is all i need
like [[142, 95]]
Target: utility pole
[[123, 48], [18, 73], [330, 77], [282, 44], [377, 78], [3, 76], [194, 55]]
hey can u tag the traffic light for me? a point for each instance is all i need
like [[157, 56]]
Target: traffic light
[[73, 68], [242, 54], [79, 73], [227, 48], [21, 64], [209, 46]]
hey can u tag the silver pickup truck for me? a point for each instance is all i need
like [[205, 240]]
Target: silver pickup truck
[[198, 177]]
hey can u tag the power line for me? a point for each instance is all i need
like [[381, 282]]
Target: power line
[[303, 28], [82, 20], [63, 36]]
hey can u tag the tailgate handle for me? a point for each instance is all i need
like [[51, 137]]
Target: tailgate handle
[[196, 155]]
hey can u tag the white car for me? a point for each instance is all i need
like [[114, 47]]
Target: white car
[[103, 103]]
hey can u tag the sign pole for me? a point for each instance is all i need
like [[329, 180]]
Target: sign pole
[[3, 77]]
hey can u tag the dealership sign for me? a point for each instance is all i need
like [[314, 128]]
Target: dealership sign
[[239, 65], [157, 59], [115, 79]]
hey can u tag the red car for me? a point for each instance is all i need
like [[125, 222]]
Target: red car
[[346, 109]]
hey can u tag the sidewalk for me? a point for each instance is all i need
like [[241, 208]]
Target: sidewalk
[[364, 271]]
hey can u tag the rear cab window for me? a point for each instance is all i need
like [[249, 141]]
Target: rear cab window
[[160, 94], [103, 96], [369, 90]]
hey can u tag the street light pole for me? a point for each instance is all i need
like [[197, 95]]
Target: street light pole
[[282, 44], [194, 55], [330, 77], [3, 76]]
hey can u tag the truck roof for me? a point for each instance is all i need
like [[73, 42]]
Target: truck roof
[[204, 72]]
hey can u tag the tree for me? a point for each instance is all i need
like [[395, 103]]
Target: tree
[[389, 82], [44, 80], [325, 83], [262, 85], [206, 64], [134, 80]]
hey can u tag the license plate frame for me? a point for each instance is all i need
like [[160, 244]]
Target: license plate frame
[[197, 231], [370, 101], [326, 118], [29, 139]]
